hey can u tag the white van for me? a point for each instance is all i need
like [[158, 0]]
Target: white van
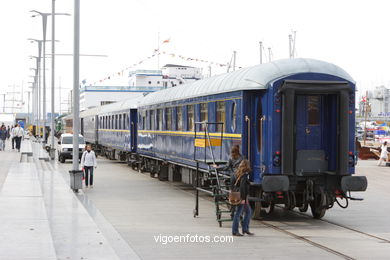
[[65, 147]]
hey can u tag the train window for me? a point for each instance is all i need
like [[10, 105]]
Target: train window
[[120, 122], [152, 120], [203, 115], [143, 116], [125, 122], [169, 118], [313, 110], [234, 116], [179, 118], [159, 119], [221, 116], [190, 117]]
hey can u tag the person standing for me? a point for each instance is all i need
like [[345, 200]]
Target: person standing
[[3, 137], [8, 132], [12, 137], [17, 134], [234, 161], [384, 154], [242, 184], [88, 162]]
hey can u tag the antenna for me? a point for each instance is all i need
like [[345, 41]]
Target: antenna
[[261, 52], [269, 54], [234, 60], [291, 43]]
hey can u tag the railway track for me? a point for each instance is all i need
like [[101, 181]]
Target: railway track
[[341, 226], [268, 224], [308, 241]]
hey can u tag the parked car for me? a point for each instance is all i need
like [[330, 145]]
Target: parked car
[[65, 147]]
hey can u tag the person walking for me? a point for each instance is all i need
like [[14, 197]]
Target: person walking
[[88, 162], [8, 132], [12, 137], [384, 154], [17, 133], [242, 184], [3, 137]]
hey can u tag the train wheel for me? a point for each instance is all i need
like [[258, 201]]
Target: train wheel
[[267, 208], [318, 205], [304, 207], [262, 209], [257, 206]]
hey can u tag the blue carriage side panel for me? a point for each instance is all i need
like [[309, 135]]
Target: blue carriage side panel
[[178, 146]]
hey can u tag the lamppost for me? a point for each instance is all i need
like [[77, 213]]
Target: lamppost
[[44, 24], [75, 173], [38, 90], [34, 96], [31, 94], [52, 127]]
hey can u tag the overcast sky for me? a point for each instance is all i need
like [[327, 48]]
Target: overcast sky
[[351, 34]]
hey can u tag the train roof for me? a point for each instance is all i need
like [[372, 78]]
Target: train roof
[[251, 78], [90, 112], [117, 106]]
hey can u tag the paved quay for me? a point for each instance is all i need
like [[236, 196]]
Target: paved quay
[[126, 213], [41, 218], [140, 208]]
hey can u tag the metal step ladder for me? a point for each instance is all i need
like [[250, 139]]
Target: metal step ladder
[[213, 182]]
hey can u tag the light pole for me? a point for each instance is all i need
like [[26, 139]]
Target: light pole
[[31, 94], [34, 96], [52, 126], [38, 89], [75, 173], [44, 24]]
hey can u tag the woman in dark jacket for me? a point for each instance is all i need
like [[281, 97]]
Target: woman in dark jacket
[[3, 137], [234, 161], [242, 183]]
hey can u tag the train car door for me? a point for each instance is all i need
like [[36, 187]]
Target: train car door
[[309, 130], [256, 121], [82, 126], [133, 129]]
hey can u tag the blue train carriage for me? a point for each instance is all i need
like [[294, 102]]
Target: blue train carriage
[[167, 123], [117, 129], [302, 142], [89, 126], [294, 120]]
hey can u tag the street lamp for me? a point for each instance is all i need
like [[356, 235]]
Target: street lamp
[[75, 173], [34, 96], [44, 23], [38, 86], [53, 14]]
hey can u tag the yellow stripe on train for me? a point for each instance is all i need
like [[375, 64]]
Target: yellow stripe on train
[[206, 142]]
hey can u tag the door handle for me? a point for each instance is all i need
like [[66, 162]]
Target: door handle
[[307, 130]]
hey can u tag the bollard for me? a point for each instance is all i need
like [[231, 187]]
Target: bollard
[[52, 153], [76, 180]]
